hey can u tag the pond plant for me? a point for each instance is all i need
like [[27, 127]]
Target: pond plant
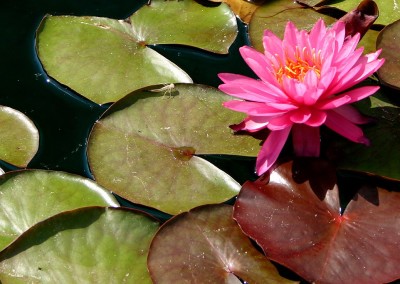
[[219, 147]]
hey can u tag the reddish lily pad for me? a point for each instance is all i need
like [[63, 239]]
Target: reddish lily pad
[[144, 147], [214, 251], [389, 73], [209, 28], [19, 137], [86, 245], [30, 196], [295, 218]]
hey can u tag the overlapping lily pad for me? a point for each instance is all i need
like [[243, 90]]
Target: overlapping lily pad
[[102, 59], [30, 196], [144, 147], [296, 219], [242, 8], [388, 10], [215, 251], [382, 157], [19, 137], [275, 14], [389, 73], [210, 28], [86, 245]]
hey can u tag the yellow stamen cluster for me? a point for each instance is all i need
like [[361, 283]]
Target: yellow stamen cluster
[[298, 67]]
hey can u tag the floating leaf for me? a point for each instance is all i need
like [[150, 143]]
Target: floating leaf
[[30, 196], [389, 73], [275, 14], [144, 147], [311, 3], [100, 58], [215, 251], [388, 10], [382, 157], [242, 8], [19, 137], [368, 42], [296, 219], [86, 245], [210, 28]]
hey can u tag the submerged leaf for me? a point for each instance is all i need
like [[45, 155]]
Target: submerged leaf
[[19, 137], [295, 218], [214, 251], [86, 245], [30, 196], [144, 147]]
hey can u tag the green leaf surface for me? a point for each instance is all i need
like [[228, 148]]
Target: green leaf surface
[[389, 73], [388, 9], [144, 147], [87, 245], [215, 251], [19, 137], [210, 28], [101, 58], [275, 14], [30, 196], [382, 157]]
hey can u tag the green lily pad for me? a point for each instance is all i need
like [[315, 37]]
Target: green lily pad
[[144, 147], [369, 41], [389, 73], [100, 58], [275, 14], [19, 137], [210, 28], [30, 196], [388, 10], [382, 157], [86, 245], [215, 251]]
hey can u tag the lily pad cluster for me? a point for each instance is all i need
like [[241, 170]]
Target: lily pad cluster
[[157, 148]]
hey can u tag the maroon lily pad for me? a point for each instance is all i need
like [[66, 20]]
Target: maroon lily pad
[[205, 245], [389, 73], [295, 218]]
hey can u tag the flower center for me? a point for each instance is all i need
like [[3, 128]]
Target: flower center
[[298, 67]]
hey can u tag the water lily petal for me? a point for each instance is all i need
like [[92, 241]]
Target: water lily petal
[[317, 33], [352, 114], [317, 118], [306, 140], [250, 124], [300, 115], [272, 44], [280, 122], [346, 128], [251, 89], [333, 102], [270, 150], [257, 62], [253, 108]]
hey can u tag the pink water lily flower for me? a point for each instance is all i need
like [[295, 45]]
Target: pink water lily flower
[[305, 82]]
